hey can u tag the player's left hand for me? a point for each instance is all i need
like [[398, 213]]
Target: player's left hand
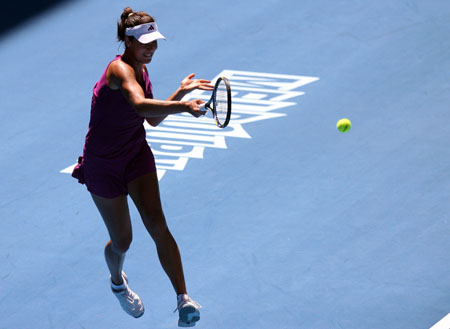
[[188, 84]]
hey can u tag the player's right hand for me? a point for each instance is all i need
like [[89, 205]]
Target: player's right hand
[[195, 108]]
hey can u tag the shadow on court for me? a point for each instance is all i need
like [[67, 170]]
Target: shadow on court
[[18, 12]]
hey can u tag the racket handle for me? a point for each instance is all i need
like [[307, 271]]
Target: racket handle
[[204, 107]]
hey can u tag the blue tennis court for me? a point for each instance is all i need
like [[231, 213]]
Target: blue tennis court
[[282, 221]]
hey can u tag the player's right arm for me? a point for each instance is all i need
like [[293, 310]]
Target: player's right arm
[[121, 76]]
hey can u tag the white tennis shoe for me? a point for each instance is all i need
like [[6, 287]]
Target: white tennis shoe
[[128, 299], [188, 310]]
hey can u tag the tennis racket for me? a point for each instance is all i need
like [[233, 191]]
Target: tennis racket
[[220, 102]]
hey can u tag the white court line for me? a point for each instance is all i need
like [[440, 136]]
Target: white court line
[[443, 324]]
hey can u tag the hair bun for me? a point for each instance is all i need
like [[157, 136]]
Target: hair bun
[[126, 13], [129, 18]]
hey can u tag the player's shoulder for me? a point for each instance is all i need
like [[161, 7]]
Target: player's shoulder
[[117, 72], [119, 68]]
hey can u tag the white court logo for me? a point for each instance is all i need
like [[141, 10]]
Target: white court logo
[[255, 96]]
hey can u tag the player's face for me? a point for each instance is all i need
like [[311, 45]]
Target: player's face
[[143, 52]]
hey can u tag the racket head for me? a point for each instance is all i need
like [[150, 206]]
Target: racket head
[[221, 102]]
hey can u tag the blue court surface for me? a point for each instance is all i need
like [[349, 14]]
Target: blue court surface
[[282, 221]]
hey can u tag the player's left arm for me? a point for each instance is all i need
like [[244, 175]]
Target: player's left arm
[[186, 86]]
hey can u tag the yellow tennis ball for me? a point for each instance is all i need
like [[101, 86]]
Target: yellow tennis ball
[[344, 125]]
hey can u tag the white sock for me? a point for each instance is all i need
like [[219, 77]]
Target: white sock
[[118, 287], [181, 297]]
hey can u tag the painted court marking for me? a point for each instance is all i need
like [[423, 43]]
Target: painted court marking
[[443, 324], [256, 96]]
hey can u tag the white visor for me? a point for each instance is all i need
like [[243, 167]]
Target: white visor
[[145, 33]]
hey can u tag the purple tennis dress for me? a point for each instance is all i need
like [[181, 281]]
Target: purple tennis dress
[[115, 151]]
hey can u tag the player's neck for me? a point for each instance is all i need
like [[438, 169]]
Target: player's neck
[[130, 60]]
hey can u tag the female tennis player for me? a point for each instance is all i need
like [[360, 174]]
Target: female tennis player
[[118, 161]]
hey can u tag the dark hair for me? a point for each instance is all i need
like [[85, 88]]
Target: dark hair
[[129, 18]]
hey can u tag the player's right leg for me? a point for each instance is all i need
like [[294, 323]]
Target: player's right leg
[[116, 216]]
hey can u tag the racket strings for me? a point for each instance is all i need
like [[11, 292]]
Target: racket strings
[[221, 103]]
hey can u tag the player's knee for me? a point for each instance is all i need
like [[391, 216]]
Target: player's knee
[[122, 244], [159, 231], [158, 227], [155, 222]]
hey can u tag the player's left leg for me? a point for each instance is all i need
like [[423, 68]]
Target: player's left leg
[[145, 194]]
